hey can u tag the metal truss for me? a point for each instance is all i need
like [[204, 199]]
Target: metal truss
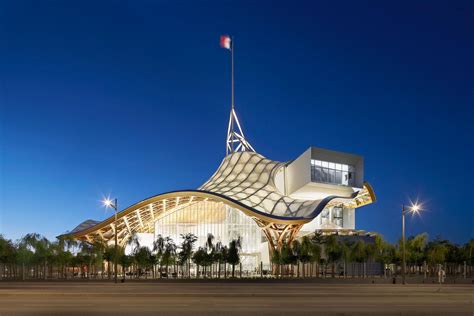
[[235, 136]]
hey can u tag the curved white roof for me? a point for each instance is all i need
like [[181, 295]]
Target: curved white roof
[[249, 178]]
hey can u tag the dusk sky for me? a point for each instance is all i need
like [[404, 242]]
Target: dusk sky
[[131, 99]]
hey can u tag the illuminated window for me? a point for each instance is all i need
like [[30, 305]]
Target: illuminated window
[[334, 173], [324, 217], [337, 216]]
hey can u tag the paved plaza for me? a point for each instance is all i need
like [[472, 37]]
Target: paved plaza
[[232, 298]]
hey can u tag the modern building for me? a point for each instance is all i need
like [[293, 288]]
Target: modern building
[[262, 201]]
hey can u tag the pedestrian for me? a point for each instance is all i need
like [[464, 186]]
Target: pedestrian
[[441, 275]]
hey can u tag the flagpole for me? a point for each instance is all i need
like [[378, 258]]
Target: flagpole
[[232, 58], [232, 101]]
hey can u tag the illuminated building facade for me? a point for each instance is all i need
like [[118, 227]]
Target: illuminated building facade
[[264, 202]]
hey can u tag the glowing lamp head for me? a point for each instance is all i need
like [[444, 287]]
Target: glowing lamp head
[[415, 208], [107, 202]]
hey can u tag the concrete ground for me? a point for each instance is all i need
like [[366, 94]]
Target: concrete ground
[[265, 297]]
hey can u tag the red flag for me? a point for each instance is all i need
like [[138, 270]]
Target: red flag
[[226, 42]]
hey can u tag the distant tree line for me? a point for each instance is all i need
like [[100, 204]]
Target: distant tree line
[[36, 257], [326, 252]]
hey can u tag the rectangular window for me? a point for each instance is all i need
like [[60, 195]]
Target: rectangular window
[[318, 174], [330, 172], [325, 175], [332, 176], [345, 178], [337, 215]]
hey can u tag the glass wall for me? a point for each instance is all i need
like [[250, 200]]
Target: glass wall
[[337, 216], [332, 216], [224, 222], [333, 173]]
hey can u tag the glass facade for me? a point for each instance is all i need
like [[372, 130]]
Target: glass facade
[[332, 173], [218, 219], [332, 216], [337, 216]]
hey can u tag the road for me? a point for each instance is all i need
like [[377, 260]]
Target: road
[[232, 298]]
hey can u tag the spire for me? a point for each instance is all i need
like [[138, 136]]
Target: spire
[[235, 136]]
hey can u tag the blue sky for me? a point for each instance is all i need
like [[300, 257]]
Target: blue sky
[[131, 99]]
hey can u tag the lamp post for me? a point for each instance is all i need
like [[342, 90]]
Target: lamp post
[[113, 204], [414, 208]]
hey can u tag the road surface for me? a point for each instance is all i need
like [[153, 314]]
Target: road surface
[[232, 298]]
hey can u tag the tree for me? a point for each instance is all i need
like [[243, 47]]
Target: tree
[[316, 251], [40, 246], [306, 253], [415, 249], [220, 256], [64, 246], [24, 257], [109, 256], [333, 252], [98, 248], [388, 253], [134, 242], [7, 256], [124, 260], [233, 256], [345, 247], [210, 252], [277, 260], [158, 249], [144, 259], [436, 252], [319, 240], [358, 253], [186, 252], [200, 258], [169, 254], [86, 256]]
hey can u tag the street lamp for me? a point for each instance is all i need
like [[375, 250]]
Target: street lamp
[[113, 204], [413, 209]]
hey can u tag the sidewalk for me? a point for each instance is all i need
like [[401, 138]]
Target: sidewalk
[[328, 280]]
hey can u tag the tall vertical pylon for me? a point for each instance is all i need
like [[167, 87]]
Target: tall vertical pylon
[[235, 136]]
